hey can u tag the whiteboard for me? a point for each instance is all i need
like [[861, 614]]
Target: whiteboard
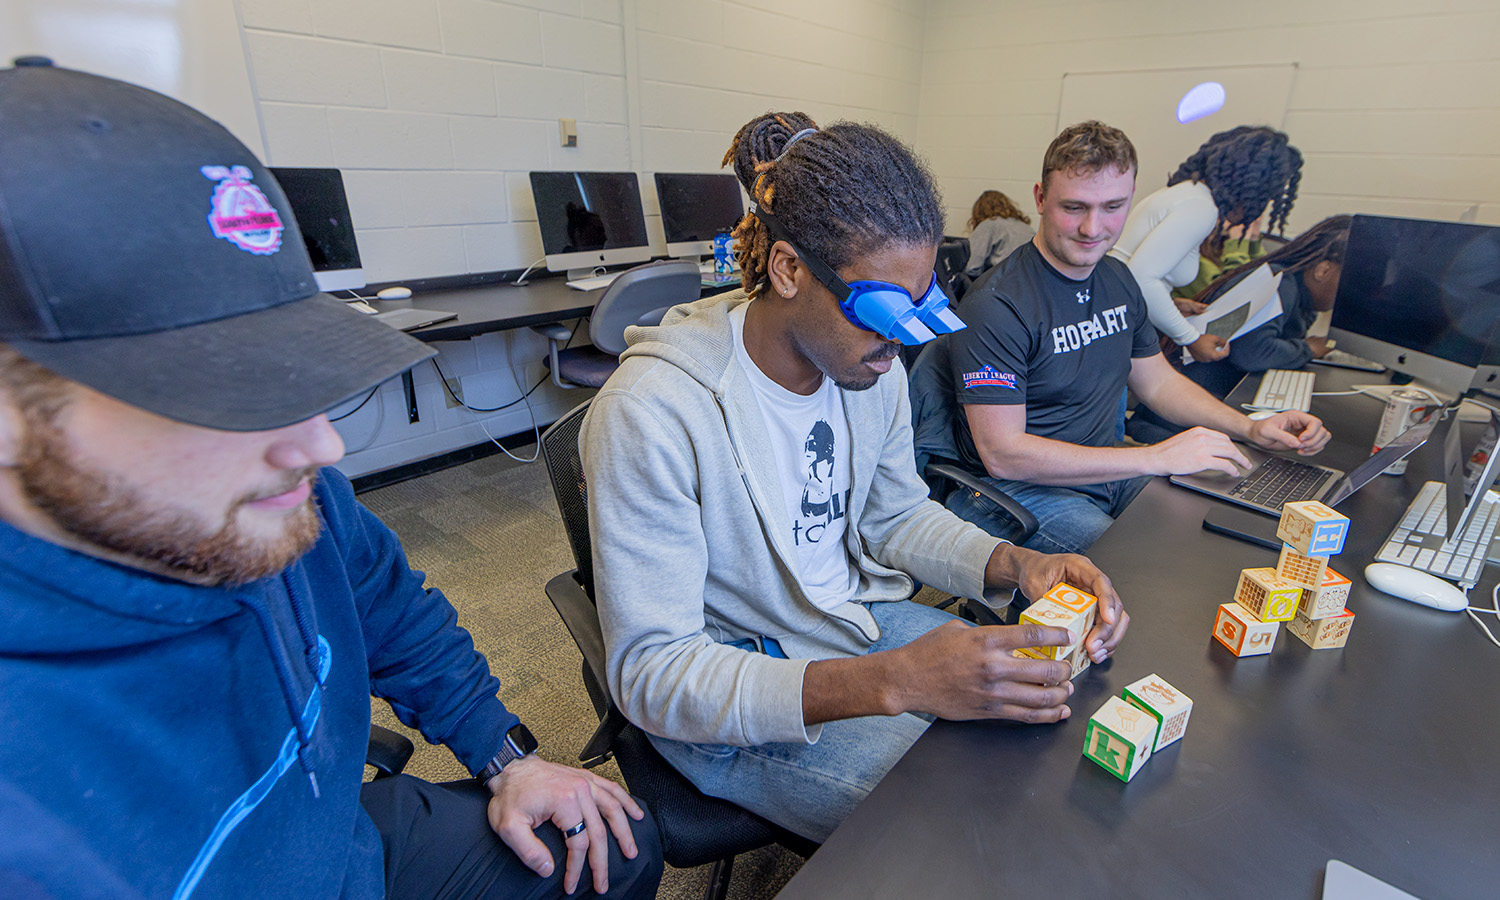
[[1143, 104], [187, 49]]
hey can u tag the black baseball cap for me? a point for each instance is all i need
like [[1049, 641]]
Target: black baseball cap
[[145, 252]]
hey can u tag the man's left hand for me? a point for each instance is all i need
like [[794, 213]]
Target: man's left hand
[[531, 791], [1041, 572], [1290, 430]]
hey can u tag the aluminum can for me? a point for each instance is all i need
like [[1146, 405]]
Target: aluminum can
[[1404, 409], [723, 254]]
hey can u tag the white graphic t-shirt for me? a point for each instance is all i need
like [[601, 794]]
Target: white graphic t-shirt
[[810, 442]]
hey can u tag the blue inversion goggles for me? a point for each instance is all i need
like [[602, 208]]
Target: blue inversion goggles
[[884, 308]]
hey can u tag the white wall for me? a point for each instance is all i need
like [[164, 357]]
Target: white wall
[[1394, 104], [435, 110]]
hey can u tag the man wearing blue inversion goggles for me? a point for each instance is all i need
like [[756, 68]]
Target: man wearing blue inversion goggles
[[879, 306], [757, 516]]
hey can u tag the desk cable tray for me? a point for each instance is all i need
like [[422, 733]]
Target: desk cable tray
[[1419, 539]]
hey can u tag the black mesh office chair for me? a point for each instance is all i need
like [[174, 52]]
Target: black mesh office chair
[[695, 829], [952, 260], [388, 751], [639, 296]]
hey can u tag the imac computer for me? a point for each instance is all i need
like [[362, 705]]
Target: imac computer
[[1423, 298], [322, 212], [589, 219], [695, 207]]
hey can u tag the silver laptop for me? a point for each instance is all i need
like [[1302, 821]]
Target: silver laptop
[[1273, 481]]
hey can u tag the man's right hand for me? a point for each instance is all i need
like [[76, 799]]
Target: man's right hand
[[959, 671], [1319, 346], [1208, 348], [1197, 450]]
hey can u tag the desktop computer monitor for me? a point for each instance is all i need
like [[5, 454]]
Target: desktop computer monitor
[[590, 219], [695, 207], [322, 212], [1423, 298]]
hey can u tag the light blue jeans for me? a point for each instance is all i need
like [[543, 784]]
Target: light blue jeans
[[811, 788], [1070, 519]]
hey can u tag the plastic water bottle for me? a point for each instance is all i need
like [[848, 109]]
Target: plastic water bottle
[[723, 253]]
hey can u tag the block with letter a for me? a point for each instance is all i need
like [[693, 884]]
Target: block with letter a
[[1119, 738], [1242, 633], [1063, 607]]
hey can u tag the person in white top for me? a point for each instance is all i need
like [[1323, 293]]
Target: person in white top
[[1225, 186]]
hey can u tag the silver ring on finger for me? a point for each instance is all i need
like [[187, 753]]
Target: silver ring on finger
[[575, 830]]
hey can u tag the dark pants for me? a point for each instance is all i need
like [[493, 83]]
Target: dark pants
[[439, 846]]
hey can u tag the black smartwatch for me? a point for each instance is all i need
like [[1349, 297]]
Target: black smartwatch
[[518, 743]]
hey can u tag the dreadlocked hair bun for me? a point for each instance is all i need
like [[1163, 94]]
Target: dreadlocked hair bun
[[1247, 169], [841, 192]]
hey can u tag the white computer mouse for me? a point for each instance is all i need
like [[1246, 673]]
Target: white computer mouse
[[393, 293], [1416, 586]]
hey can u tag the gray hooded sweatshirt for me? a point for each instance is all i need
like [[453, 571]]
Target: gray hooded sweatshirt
[[691, 551]]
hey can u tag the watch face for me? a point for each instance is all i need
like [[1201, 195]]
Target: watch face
[[520, 736]]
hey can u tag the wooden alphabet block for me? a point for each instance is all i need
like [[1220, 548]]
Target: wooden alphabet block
[[1169, 706], [1266, 596], [1323, 634], [1078, 659], [1312, 528], [1242, 633], [1119, 738], [1328, 600], [1064, 607], [1303, 571]]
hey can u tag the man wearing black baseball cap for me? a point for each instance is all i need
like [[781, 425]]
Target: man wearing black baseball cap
[[196, 610]]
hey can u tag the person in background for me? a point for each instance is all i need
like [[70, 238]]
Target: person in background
[[996, 227], [1227, 184], [197, 610], [1310, 267], [1056, 333]]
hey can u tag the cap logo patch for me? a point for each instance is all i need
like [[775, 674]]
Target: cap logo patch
[[240, 213]]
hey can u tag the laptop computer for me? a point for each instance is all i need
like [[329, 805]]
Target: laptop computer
[[1273, 481], [410, 318], [1342, 881]]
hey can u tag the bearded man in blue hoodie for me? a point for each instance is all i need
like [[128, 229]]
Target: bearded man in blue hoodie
[[196, 609]]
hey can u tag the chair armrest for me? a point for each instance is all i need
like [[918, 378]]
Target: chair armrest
[[388, 751], [1026, 523], [553, 331]]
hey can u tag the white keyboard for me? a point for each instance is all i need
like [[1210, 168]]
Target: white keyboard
[[1418, 541], [1282, 389], [595, 282]]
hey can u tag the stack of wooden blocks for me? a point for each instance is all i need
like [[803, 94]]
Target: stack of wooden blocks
[[1302, 590], [1129, 729]]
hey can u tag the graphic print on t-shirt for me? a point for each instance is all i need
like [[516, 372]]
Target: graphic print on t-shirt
[[821, 506]]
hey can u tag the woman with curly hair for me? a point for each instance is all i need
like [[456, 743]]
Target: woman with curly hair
[[996, 228], [1227, 185]]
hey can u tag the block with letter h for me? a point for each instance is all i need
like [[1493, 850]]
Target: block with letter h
[[1312, 528]]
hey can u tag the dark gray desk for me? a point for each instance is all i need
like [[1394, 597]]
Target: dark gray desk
[[1382, 754], [498, 307]]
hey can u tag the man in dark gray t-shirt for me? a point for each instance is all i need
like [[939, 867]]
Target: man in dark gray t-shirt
[[1056, 333]]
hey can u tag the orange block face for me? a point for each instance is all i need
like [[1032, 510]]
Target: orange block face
[[1071, 597], [1242, 633], [1328, 600], [1303, 571], [1266, 596]]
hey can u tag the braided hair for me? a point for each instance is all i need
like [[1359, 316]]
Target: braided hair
[[1246, 169], [843, 192], [995, 205], [1324, 242]]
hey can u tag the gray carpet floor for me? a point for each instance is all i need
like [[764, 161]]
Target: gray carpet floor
[[488, 535]]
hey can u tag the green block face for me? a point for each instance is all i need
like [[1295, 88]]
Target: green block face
[[1109, 750], [1142, 705]]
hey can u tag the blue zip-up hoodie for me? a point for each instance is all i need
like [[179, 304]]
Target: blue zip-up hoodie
[[166, 740]]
